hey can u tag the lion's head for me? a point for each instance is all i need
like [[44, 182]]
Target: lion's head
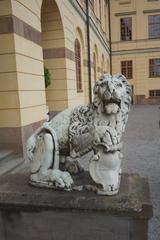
[[111, 93]]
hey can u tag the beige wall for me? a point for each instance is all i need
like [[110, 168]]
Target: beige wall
[[53, 39], [141, 81], [9, 100], [77, 29], [22, 83], [141, 48], [22, 55], [23, 96]]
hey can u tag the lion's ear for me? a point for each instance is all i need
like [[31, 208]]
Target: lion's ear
[[123, 79]]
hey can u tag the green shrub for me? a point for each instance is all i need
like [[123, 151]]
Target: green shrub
[[47, 77]]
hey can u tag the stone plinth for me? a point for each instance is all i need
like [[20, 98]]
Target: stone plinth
[[28, 213]]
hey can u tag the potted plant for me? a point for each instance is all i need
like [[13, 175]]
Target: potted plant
[[47, 78]]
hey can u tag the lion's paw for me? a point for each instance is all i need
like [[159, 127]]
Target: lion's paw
[[61, 179], [73, 166]]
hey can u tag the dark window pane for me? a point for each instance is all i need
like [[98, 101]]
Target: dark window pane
[[154, 93], [154, 26], [78, 65], [151, 93], [154, 67], [157, 93], [126, 69], [126, 28]]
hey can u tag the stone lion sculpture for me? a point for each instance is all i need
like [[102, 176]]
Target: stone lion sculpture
[[54, 148]]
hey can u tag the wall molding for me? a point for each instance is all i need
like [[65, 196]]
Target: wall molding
[[53, 53], [125, 13], [152, 11], [63, 52], [126, 2], [15, 137], [152, 0], [12, 24], [136, 40], [135, 51], [82, 14]]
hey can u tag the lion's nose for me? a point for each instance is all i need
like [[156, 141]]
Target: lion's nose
[[115, 94], [111, 88]]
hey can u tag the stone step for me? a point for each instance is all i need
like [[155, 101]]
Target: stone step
[[5, 153], [9, 161]]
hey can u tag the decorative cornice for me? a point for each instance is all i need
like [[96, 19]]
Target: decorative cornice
[[135, 51], [152, 11], [50, 53], [152, 0], [80, 11], [125, 13], [136, 40], [82, 14], [12, 24], [126, 2], [53, 53], [104, 43]]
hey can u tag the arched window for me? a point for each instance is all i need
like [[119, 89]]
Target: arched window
[[102, 65], [78, 65], [95, 67]]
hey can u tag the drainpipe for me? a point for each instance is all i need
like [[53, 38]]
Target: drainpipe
[[110, 39], [89, 54]]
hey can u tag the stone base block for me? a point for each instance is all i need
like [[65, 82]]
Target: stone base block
[[42, 214]]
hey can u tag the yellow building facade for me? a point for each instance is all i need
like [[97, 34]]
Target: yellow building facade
[[135, 35], [37, 33], [77, 41]]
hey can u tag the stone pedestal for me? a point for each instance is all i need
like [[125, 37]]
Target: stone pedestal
[[31, 213]]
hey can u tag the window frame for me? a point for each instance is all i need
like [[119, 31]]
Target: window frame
[[78, 65], [153, 67], [154, 94], [128, 69], [124, 36], [154, 23]]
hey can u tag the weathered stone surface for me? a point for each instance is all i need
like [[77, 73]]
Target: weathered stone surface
[[133, 198], [36, 213], [59, 225]]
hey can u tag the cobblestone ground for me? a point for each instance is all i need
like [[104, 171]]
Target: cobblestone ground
[[142, 155]]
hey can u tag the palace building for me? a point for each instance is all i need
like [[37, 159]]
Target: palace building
[[77, 41], [135, 34]]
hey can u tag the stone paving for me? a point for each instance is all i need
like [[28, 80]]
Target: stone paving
[[142, 154]]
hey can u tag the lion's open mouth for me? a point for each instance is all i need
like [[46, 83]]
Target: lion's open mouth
[[111, 100], [111, 106]]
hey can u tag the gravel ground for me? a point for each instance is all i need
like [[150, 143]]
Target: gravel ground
[[142, 155]]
